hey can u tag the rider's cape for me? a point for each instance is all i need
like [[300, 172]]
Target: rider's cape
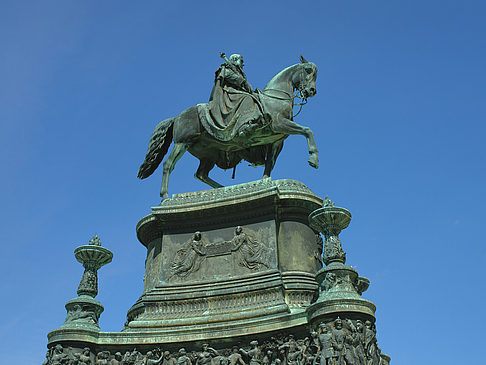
[[230, 110]]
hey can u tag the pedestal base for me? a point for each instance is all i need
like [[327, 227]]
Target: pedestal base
[[229, 266], [83, 312]]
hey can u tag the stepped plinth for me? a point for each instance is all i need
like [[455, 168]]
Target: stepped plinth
[[237, 266]]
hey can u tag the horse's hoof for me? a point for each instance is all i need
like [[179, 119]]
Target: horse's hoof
[[313, 161]]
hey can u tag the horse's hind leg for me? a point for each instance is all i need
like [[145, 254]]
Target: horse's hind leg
[[174, 156], [206, 165], [272, 154]]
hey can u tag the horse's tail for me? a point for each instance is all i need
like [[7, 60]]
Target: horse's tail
[[158, 146]]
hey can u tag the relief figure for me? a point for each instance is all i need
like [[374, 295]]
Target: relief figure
[[251, 252], [189, 258], [235, 357], [183, 359], [324, 338], [205, 357], [254, 354], [81, 314]]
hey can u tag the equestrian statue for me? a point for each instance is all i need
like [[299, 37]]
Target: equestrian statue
[[238, 123]]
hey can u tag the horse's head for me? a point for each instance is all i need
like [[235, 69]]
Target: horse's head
[[304, 79]]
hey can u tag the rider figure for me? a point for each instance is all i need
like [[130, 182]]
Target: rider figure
[[232, 103], [231, 73]]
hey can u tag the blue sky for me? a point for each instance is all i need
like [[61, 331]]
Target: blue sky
[[398, 120]]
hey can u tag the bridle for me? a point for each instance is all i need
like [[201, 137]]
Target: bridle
[[291, 97]]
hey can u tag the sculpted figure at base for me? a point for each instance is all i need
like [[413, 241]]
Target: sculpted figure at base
[[309, 349], [168, 359], [207, 354], [339, 342], [237, 124], [102, 358], [153, 358], [189, 258], [59, 357], [358, 341], [183, 359], [292, 351], [371, 345], [84, 357], [325, 345], [267, 358], [235, 357], [251, 252], [349, 342], [254, 354], [134, 357], [117, 359]]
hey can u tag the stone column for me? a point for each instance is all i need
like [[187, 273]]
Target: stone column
[[84, 311], [340, 310]]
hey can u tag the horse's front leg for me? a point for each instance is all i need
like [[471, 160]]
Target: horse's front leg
[[287, 126]]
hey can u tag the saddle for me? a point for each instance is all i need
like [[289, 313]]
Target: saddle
[[239, 114]]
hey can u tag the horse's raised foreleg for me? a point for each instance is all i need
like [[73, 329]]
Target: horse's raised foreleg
[[206, 165], [272, 153], [174, 156], [287, 126]]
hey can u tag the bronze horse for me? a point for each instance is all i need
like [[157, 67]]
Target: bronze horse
[[260, 146]]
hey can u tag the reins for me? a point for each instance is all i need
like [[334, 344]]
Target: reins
[[291, 97]]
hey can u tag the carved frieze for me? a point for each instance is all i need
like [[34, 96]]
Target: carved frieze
[[338, 341], [246, 249]]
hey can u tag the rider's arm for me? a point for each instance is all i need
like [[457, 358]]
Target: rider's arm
[[235, 80]]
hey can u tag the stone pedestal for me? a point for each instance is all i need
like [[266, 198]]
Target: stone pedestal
[[234, 261], [236, 266]]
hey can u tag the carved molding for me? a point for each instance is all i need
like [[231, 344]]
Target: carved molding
[[216, 305], [300, 298], [227, 206]]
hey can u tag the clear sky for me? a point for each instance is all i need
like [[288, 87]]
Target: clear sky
[[398, 119]]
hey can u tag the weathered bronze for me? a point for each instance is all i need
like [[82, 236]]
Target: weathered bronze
[[84, 311], [233, 275], [338, 342], [236, 124]]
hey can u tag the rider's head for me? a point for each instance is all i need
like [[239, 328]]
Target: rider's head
[[237, 59]]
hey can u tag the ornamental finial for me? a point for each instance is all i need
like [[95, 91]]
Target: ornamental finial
[[95, 240]]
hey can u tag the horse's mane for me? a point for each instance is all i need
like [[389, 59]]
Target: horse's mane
[[279, 75]]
